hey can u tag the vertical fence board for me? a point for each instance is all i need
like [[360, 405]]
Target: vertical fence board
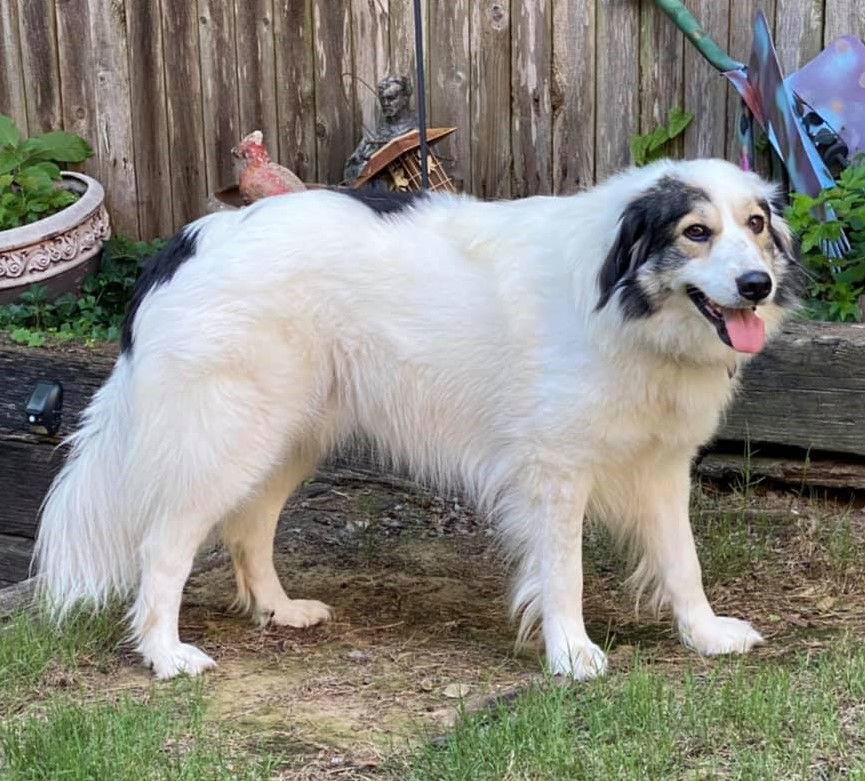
[[705, 88], [77, 89], [798, 31], [184, 108], [844, 17], [449, 84], [371, 47], [531, 109], [115, 152], [401, 31], [573, 104], [617, 84], [256, 70], [334, 90], [219, 85], [12, 95], [149, 120], [38, 33], [491, 98], [295, 86], [662, 54]]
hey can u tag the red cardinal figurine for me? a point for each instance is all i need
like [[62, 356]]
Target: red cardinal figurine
[[259, 175]]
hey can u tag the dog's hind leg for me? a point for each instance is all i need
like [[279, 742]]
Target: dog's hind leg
[[248, 534]]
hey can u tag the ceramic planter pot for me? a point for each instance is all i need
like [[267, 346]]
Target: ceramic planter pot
[[60, 250]]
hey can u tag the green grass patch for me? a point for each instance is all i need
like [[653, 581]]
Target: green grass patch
[[163, 737], [797, 720], [31, 646]]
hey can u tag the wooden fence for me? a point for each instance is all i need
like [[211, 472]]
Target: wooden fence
[[545, 93]]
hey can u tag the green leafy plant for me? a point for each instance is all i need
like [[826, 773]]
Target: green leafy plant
[[29, 172], [651, 146], [836, 284], [95, 315]]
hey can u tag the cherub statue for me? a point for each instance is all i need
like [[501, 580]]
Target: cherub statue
[[394, 97]]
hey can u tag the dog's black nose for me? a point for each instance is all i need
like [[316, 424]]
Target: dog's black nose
[[755, 285]]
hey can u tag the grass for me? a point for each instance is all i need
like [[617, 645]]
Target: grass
[[164, 737], [799, 720]]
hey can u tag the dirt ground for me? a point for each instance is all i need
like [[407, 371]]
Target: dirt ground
[[419, 596]]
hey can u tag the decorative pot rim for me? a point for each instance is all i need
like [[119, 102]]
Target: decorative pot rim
[[48, 227]]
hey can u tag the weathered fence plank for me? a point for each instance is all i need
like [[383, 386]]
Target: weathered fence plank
[[450, 84], [798, 32], [531, 109], [371, 51], [843, 17], [334, 88], [491, 98], [115, 157], [188, 181], [216, 30], [295, 86], [662, 53], [12, 93], [149, 120], [705, 88], [573, 106], [256, 71], [401, 31], [618, 82], [38, 41]]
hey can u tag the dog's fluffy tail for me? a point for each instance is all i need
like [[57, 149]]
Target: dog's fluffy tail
[[87, 543]]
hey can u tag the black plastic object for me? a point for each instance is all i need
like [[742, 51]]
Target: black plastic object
[[44, 408]]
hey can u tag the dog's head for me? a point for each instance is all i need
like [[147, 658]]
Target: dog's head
[[704, 257]]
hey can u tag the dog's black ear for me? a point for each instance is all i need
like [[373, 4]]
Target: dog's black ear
[[630, 248]]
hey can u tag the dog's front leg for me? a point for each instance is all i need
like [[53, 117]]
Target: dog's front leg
[[671, 555], [554, 575]]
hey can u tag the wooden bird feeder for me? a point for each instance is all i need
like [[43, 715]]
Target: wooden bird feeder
[[399, 161]]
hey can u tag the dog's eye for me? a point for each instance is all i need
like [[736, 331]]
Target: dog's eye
[[698, 233], [756, 223]]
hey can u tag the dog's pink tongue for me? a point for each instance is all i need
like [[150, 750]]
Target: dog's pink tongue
[[747, 331]]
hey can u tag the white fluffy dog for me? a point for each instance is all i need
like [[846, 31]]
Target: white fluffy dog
[[556, 357]]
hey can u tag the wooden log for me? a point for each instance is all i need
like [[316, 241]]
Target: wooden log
[[573, 106], [807, 390], [449, 81], [819, 473], [15, 553], [17, 596], [491, 98], [531, 116]]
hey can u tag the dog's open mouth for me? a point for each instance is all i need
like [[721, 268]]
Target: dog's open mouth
[[741, 329]]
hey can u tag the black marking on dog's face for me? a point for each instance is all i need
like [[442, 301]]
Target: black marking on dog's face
[[646, 233], [385, 201], [791, 279], [157, 270]]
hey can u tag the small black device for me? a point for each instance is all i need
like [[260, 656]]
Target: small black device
[[44, 408]]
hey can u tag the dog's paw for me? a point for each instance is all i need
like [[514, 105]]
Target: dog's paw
[[578, 661], [183, 659], [299, 613], [720, 635]]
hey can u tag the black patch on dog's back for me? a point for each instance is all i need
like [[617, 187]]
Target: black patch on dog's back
[[646, 228], [157, 270], [385, 201]]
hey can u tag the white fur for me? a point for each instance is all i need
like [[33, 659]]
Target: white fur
[[462, 339]]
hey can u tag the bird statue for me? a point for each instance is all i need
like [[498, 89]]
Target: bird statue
[[260, 177]]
